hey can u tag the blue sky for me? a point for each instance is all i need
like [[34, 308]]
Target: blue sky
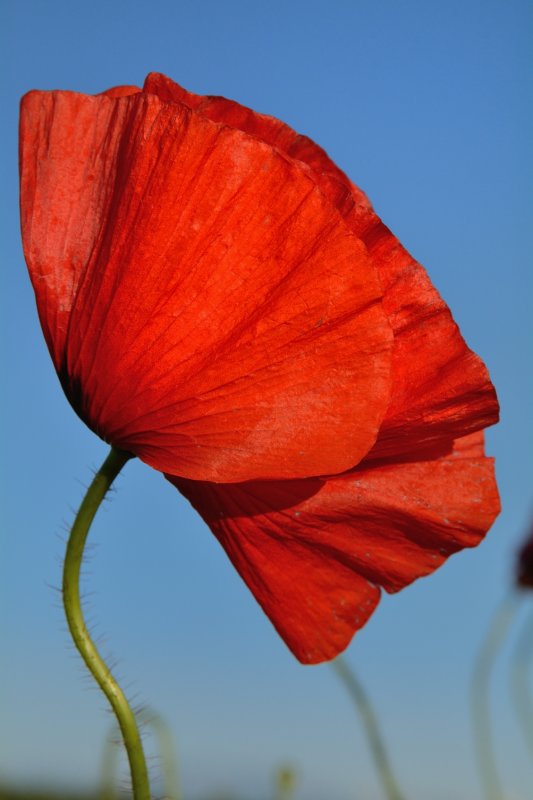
[[424, 105]]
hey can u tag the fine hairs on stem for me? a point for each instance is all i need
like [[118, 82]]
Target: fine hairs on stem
[[78, 627], [371, 728]]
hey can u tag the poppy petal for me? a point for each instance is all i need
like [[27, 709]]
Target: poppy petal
[[121, 91], [314, 552], [312, 597], [268, 129], [68, 152], [206, 306], [442, 389]]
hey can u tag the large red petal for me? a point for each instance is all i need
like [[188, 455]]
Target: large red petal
[[441, 389], [312, 596], [121, 91], [314, 551], [206, 305], [268, 129], [68, 161]]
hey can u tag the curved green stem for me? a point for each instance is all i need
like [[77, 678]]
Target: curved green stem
[[72, 604], [520, 677], [371, 727], [480, 695]]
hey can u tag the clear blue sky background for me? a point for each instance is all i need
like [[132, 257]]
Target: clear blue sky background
[[424, 105]]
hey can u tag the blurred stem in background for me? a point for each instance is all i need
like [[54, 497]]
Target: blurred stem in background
[[480, 696], [371, 728], [520, 677], [285, 783], [72, 603], [167, 752], [521, 662], [110, 765]]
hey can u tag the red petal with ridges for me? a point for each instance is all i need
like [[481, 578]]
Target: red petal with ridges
[[68, 161], [206, 306], [314, 600], [121, 91], [314, 551], [441, 388]]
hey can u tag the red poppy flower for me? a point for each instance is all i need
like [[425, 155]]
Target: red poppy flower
[[221, 301]]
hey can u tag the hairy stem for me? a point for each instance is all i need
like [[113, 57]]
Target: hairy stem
[[78, 629], [371, 728]]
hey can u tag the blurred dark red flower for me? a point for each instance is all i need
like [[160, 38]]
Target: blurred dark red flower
[[524, 569], [221, 301]]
